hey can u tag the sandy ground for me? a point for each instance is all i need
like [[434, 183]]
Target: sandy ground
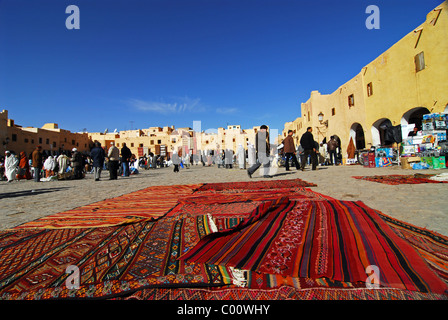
[[423, 205]]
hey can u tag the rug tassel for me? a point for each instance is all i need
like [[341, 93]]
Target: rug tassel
[[212, 224], [238, 277]]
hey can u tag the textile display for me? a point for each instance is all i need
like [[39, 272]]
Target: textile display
[[256, 185], [316, 239], [152, 202], [275, 239], [281, 293], [112, 260], [395, 179]]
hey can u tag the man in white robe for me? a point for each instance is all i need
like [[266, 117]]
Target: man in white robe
[[11, 163], [251, 154], [241, 153]]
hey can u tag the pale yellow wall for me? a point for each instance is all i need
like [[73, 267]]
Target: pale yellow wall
[[397, 87]]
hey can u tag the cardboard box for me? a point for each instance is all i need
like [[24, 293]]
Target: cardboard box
[[406, 162]]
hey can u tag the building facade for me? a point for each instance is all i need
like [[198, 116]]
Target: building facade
[[50, 137], [408, 80]]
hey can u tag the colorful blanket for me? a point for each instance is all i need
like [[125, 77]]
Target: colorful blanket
[[111, 260], [396, 179], [331, 239], [150, 203], [300, 244]]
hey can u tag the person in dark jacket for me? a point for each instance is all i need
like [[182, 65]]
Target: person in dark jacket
[[290, 151], [77, 164], [307, 143], [331, 147], [126, 155], [37, 163], [262, 147], [98, 155]]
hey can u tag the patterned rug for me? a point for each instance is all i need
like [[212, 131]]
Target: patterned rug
[[112, 260], [396, 179], [153, 202], [281, 293], [256, 185], [317, 247], [318, 239]]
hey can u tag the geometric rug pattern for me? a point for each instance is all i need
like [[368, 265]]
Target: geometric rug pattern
[[308, 246]]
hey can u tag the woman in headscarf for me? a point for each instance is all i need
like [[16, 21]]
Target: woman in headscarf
[[49, 167], [24, 167], [11, 163]]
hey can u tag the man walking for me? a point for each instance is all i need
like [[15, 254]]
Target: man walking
[[36, 157], [113, 154], [262, 147], [98, 156], [307, 142], [290, 151], [126, 155]]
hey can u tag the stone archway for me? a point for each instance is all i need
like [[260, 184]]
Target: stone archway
[[378, 129], [414, 116], [357, 133]]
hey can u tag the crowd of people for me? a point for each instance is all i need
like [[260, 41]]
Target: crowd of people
[[41, 166]]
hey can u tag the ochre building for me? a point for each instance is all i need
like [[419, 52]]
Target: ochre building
[[408, 80]]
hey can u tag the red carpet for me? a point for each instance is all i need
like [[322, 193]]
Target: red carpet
[[291, 242]]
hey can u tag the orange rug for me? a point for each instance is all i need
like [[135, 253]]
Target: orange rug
[[149, 203]]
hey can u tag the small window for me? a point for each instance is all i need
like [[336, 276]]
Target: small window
[[159, 141], [73, 142], [333, 111], [47, 141], [369, 89], [14, 137], [40, 140], [308, 116], [132, 145], [140, 145], [54, 144], [351, 100], [26, 140], [419, 60], [151, 142]]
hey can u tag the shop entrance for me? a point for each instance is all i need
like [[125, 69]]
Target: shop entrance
[[357, 133], [378, 129], [414, 116]]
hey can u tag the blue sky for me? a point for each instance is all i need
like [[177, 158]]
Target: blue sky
[[137, 64]]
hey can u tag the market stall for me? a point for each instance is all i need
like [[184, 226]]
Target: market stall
[[427, 148]]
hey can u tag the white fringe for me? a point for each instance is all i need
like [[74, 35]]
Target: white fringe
[[238, 277], [212, 224]]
